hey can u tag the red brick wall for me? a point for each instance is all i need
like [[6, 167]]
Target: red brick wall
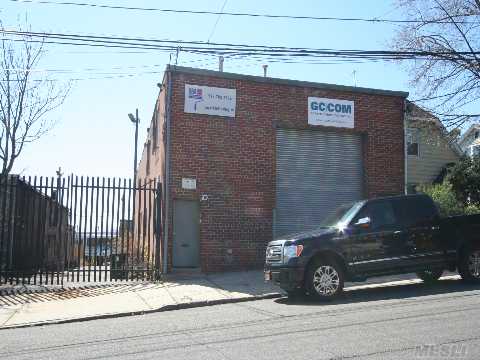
[[152, 173], [157, 153], [233, 160]]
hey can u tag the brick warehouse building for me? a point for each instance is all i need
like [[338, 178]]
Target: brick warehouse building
[[244, 159]]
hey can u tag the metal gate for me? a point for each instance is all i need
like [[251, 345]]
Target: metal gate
[[316, 172], [79, 229]]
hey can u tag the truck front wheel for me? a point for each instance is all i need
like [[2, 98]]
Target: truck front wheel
[[469, 265], [325, 279]]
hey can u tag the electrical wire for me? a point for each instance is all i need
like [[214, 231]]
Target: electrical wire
[[223, 49], [216, 22], [243, 14], [198, 63], [234, 52]]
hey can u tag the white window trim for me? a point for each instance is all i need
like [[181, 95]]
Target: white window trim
[[410, 134], [472, 147]]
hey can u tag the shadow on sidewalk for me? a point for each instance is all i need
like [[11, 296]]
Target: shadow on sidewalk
[[179, 288], [38, 294], [391, 292]]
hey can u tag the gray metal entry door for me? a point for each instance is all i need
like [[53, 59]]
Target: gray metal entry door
[[316, 172], [186, 234]]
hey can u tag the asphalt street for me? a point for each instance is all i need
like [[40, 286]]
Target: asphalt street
[[414, 321]]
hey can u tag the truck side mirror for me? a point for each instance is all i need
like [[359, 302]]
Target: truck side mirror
[[363, 223]]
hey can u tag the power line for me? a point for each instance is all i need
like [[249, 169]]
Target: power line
[[242, 14], [199, 62], [124, 40], [272, 54], [113, 75], [96, 70], [117, 71], [216, 22], [232, 50]]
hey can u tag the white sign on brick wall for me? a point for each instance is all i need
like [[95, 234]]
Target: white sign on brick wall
[[210, 100], [189, 184], [331, 112]]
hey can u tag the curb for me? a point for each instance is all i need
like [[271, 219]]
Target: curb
[[173, 307]]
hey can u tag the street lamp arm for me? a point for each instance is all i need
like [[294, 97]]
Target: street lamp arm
[[132, 118]]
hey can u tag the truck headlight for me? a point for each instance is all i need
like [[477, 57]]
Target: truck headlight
[[292, 251]]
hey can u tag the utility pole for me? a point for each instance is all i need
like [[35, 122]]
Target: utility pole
[[136, 121]]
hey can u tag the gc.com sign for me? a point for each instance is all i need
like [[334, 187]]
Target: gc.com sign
[[445, 351], [331, 112]]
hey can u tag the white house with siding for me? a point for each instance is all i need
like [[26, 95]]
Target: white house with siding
[[429, 148]]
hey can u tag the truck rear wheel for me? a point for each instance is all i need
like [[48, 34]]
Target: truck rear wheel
[[430, 276], [469, 265], [325, 279]]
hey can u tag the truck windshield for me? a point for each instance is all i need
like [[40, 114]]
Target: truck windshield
[[341, 215]]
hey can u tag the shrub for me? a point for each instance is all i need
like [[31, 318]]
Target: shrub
[[445, 198], [465, 180], [472, 209]]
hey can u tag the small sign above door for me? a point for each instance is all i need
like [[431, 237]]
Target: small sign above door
[[189, 184]]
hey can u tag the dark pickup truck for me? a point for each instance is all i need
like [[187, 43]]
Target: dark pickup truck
[[384, 236]]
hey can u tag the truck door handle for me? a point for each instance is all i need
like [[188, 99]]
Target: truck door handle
[[398, 232]]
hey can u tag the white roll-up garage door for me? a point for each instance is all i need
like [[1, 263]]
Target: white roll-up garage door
[[316, 172]]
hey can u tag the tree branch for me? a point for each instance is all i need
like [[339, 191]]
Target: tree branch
[[25, 99]]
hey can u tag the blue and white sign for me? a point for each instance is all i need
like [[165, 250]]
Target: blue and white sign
[[331, 112], [210, 100]]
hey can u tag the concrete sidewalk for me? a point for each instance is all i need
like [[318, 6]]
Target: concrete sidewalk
[[29, 306]]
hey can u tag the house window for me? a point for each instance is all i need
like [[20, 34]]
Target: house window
[[477, 134], [475, 150], [412, 143]]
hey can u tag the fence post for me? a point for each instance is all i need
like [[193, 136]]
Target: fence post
[[158, 229]]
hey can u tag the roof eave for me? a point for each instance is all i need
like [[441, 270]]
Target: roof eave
[[280, 81]]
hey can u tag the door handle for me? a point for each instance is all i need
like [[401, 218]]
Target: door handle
[[398, 232], [184, 245], [435, 227]]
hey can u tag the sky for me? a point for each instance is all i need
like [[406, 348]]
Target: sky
[[94, 136]]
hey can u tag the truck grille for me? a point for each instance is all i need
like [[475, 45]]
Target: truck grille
[[274, 254]]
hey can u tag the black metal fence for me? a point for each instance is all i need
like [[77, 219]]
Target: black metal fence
[[79, 229]]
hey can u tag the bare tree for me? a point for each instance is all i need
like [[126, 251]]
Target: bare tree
[[447, 74], [27, 95]]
